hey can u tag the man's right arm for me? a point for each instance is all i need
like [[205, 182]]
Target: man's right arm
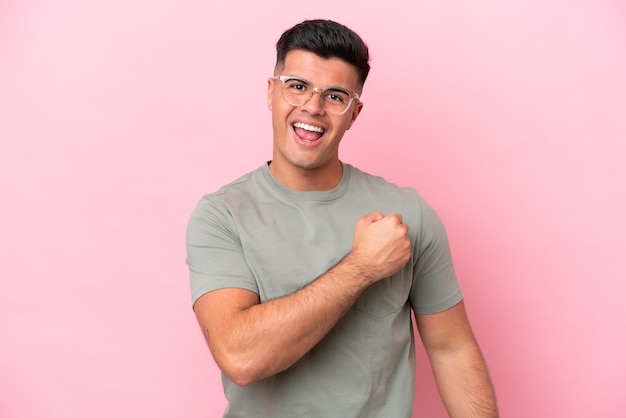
[[251, 340]]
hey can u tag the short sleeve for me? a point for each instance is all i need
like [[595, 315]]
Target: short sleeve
[[214, 253], [435, 285]]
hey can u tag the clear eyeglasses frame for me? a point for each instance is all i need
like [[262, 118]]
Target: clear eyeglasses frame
[[297, 92]]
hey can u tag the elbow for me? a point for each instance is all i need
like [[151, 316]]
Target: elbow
[[240, 377], [242, 380], [240, 371]]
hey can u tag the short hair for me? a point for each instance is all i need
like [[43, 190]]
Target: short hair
[[326, 39]]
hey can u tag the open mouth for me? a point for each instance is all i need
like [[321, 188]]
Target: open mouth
[[307, 132]]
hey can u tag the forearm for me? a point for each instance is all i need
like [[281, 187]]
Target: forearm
[[267, 338], [464, 384], [251, 340]]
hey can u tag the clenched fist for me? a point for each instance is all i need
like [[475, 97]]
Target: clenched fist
[[381, 245]]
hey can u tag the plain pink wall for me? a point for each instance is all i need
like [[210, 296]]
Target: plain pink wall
[[116, 116]]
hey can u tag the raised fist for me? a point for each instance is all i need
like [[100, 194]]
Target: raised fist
[[381, 244]]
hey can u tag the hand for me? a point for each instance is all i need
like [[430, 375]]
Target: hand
[[381, 245]]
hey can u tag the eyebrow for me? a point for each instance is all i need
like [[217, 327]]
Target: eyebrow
[[341, 89], [332, 88]]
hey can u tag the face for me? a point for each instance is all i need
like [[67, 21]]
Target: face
[[306, 138]]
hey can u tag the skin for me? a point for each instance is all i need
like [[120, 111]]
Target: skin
[[317, 166], [458, 365], [244, 335]]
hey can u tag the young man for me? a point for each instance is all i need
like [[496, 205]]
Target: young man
[[304, 272]]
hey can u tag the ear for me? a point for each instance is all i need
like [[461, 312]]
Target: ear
[[355, 113], [270, 92]]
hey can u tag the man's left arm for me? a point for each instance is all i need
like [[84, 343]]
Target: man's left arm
[[458, 365]]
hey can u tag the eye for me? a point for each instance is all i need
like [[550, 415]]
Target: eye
[[337, 96], [295, 85]]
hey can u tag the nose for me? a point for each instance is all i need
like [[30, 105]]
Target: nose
[[314, 105]]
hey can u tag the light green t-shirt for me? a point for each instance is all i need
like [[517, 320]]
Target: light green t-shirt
[[258, 235]]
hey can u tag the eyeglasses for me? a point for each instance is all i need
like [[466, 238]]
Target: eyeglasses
[[297, 91]]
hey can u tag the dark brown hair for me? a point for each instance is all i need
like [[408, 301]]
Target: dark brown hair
[[326, 39]]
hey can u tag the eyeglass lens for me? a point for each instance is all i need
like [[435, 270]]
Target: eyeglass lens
[[297, 92]]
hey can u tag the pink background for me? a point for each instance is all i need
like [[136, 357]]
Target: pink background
[[116, 116]]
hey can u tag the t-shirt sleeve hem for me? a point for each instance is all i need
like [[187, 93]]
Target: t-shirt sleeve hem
[[195, 295]]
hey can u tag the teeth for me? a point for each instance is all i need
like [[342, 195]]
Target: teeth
[[308, 127]]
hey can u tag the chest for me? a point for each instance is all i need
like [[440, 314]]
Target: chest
[[287, 247]]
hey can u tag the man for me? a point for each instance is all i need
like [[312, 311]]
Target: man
[[304, 272]]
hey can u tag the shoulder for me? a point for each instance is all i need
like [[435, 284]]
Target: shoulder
[[238, 190], [391, 197], [242, 185], [217, 206], [383, 188]]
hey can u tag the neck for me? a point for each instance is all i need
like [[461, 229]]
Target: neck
[[308, 180]]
